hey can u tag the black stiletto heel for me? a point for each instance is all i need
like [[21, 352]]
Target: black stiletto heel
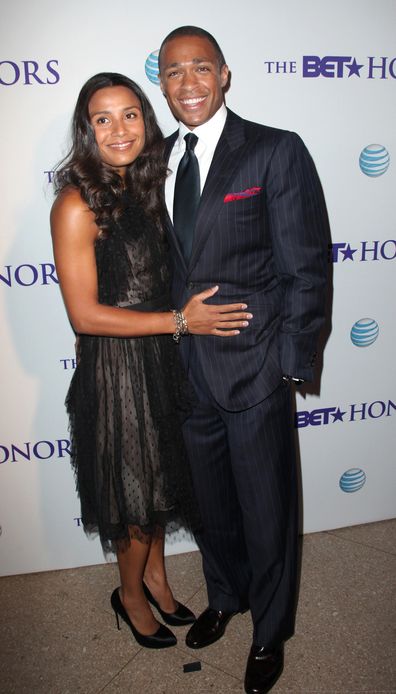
[[181, 616], [163, 637]]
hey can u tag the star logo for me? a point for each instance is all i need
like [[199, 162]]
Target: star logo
[[338, 415], [348, 252], [354, 68]]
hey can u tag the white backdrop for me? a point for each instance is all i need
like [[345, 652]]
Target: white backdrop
[[325, 70]]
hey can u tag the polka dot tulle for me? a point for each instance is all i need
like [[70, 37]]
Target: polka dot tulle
[[127, 399]]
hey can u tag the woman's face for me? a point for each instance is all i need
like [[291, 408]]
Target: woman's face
[[116, 117]]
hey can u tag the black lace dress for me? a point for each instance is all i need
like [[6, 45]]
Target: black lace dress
[[127, 399]]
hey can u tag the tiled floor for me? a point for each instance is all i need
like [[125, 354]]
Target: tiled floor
[[58, 634]]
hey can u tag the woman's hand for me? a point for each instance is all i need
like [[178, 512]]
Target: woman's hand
[[210, 319]]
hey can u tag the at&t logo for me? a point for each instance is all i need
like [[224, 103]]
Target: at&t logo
[[151, 67], [352, 480], [352, 413], [364, 332], [28, 72], [374, 160]]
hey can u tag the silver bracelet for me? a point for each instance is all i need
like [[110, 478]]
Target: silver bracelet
[[181, 327]]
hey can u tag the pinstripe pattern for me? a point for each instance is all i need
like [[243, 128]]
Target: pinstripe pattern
[[270, 251]]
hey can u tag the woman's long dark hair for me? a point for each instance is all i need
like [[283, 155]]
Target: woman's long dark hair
[[100, 186]]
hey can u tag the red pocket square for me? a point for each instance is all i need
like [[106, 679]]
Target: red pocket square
[[248, 193]]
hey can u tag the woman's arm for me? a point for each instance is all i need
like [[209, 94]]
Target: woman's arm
[[74, 233]]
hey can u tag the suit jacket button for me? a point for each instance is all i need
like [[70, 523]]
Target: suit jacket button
[[313, 359], [190, 285]]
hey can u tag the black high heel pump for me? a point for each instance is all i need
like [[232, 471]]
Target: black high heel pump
[[181, 616], [163, 637]]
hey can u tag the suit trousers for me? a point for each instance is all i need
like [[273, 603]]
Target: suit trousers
[[244, 474]]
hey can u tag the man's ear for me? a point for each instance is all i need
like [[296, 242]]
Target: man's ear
[[224, 73]]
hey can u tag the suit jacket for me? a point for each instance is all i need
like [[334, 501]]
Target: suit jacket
[[262, 236]]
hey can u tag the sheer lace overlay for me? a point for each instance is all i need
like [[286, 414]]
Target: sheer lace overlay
[[127, 399]]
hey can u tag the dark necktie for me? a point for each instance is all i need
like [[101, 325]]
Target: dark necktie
[[187, 195]]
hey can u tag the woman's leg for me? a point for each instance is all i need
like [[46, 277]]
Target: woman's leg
[[155, 576], [132, 562]]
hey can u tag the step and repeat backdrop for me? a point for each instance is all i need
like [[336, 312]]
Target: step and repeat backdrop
[[324, 70]]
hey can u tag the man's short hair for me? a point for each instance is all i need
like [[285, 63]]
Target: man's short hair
[[193, 31]]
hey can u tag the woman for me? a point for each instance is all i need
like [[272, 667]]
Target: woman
[[112, 264]]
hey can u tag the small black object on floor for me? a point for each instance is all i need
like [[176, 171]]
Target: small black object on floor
[[192, 667]]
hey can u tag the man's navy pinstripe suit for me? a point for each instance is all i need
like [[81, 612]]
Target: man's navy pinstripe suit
[[262, 236]]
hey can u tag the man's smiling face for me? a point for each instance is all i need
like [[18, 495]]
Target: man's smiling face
[[192, 79]]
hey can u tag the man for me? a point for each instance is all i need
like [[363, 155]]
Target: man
[[259, 231]]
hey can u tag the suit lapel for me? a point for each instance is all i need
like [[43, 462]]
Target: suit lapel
[[224, 165]]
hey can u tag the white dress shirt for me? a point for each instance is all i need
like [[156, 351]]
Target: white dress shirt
[[208, 136]]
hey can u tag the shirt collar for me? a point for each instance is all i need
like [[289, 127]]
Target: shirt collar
[[209, 132]]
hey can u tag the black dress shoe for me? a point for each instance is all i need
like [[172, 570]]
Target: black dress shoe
[[181, 616], [162, 638], [208, 628], [263, 669]]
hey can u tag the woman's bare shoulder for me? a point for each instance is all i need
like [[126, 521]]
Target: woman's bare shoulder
[[69, 201], [69, 211]]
